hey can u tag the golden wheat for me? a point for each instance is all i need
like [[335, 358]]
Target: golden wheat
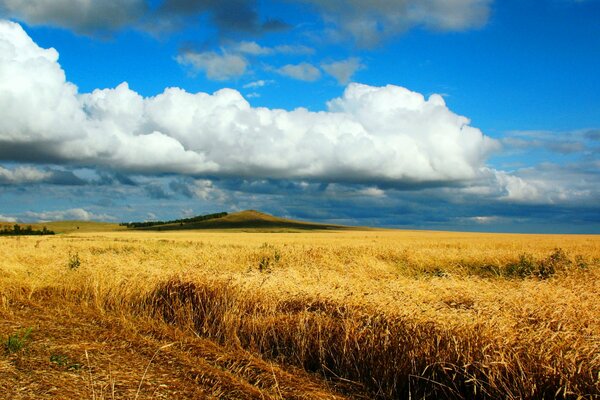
[[392, 313]]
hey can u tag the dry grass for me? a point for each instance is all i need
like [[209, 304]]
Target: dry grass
[[377, 314]]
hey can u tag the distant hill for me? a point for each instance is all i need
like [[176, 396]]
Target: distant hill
[[249, 219], [69, 226]]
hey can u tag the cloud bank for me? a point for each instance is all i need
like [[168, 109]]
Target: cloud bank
[[369, 134]]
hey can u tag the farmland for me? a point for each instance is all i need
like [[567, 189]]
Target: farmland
[[300, 314]]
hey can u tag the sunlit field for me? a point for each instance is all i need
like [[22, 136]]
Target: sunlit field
[[354, 314]]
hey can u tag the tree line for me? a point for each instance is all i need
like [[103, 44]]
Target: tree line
[[17, 230], [181, 221]]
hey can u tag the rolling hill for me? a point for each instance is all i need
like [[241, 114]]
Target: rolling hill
[[249, 220]]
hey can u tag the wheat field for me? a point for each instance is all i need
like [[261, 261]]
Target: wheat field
[[352, 314]]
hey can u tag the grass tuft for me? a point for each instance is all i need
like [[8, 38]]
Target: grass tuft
[[17, 341]]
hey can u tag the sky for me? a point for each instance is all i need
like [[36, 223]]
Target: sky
[[469, 115]]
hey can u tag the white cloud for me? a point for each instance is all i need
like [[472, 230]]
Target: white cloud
[[252, 48], [370, 21], [23, 175], [255, 49], [204, 189], [216, 66], [258, 84], [484, 219], [294, 49], [78, 214], [544, 183], [4, 218], [368, 135], [518, 189], [303, 71], [566, 142], [372, 192], [343, 70]]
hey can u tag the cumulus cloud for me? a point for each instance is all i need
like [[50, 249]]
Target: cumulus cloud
[[303, 72], [369, 134], [216, 66], [343, 70], [82, 16], [370, 21]]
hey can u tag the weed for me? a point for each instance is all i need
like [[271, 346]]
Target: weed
[[17, 341], [557, 261], [63, 361], [527, 266], [580, 262], [270, 256], [522, 268], [74, 261]]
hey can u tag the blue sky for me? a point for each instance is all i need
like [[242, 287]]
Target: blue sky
[[462, 114]]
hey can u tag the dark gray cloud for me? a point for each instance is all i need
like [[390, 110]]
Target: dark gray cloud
[[230, 16], [60, 177], [431, 208], [100, 17], [27, 175], [593, 134], [112, 178], [156, 191], [44, 151], [183, 187], [366, 22], [80, 16]]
